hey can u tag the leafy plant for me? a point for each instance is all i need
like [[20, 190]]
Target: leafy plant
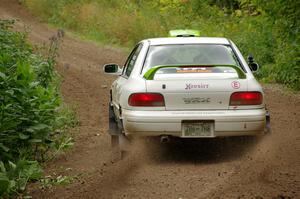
[[14, 177], [33, 120]]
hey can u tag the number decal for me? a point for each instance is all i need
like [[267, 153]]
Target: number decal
[[235, 84]]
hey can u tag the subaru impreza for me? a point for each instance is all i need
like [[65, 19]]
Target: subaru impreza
[[186, 86]]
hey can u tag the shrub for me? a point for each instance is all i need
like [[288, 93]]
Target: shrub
[[30, 107]]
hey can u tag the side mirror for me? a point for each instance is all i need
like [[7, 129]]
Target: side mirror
[[253, 65], [112, 69]]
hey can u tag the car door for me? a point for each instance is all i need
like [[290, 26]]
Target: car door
[[122, 80]]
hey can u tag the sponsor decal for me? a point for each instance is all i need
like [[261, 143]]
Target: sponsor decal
[[194, 70], [196, 86], [196, 100], [235, 84]]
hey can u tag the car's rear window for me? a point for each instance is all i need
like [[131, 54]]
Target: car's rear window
[[189, 54]]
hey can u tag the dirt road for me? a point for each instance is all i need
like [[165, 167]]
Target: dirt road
[[266, 168]]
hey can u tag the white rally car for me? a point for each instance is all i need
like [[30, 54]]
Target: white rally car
[[186, 86]]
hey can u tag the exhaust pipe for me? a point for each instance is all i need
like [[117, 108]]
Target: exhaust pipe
[[164, 139]]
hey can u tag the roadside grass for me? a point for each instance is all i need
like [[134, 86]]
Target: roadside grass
[[48, 181], [34, 122]]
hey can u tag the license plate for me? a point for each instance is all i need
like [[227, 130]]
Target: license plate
[[198, 129]]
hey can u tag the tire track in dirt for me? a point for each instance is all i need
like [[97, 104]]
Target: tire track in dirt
[[204, 169]]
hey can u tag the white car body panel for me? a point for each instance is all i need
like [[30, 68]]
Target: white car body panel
[[155, 121], [227, 122]]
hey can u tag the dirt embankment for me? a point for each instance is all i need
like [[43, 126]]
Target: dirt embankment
[[267, 168]]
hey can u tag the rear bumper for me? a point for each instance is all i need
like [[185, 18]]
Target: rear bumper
[[226, 122]]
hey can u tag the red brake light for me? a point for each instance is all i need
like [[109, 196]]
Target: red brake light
[[246, 98], [146, 99]]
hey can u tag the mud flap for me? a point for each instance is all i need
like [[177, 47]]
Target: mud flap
[[114, 126], [119, 142], [120, 146], [114, 141]]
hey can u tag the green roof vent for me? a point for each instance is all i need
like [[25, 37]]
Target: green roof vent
[[184, 33]]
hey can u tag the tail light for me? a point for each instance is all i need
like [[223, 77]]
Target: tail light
[[246, 98], [146, 99]]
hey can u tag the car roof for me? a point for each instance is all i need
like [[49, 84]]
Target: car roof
[[188, 40]]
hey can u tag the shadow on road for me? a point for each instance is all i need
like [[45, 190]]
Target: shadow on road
[[206, 151]]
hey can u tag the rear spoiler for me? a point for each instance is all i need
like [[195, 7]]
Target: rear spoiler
[[149, 75]]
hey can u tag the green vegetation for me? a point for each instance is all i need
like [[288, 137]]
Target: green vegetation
[[33, 121], [266, 29], [48, 182]]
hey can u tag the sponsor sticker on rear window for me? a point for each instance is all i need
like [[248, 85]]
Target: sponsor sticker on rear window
[[195, 70], [180, 70]]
